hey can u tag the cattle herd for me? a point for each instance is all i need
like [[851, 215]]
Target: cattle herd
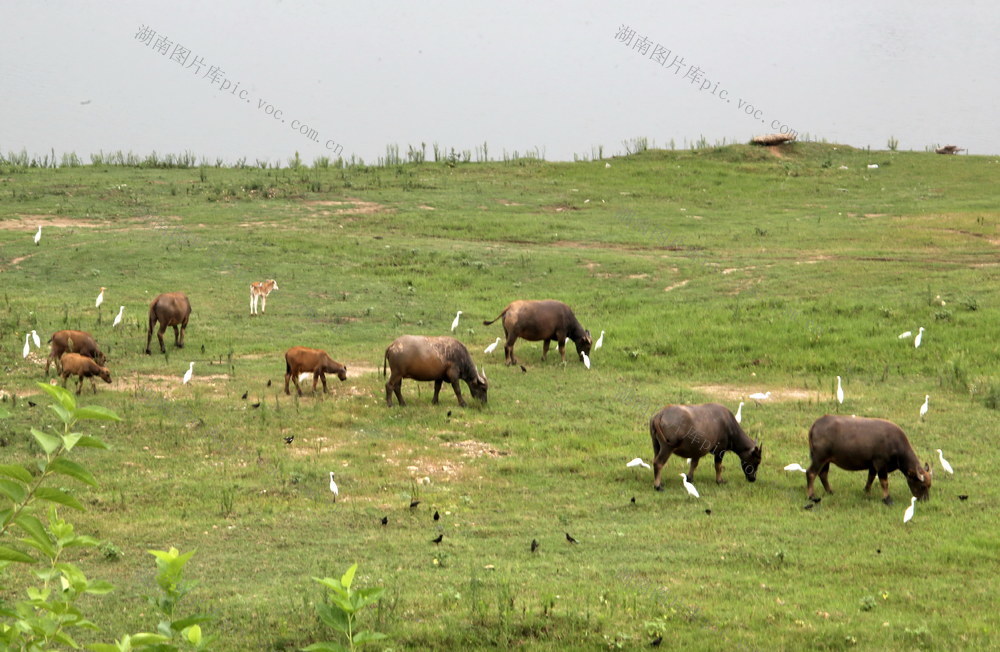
[[691, 431]]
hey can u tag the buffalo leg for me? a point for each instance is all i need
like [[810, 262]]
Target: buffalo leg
[[824, 472], [871, 479], [177, 338], [691, 467], [159, 336], [718, 469], [508, 351], [288, 376], [661, 458], [437, 390], [184, 326], [394, 386], [883, 479], [322, 377], [545, 349], [458, 392]]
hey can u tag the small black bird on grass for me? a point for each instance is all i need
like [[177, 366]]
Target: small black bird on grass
[[571, 539], [524, 369], [255, 405], [633, 500], [385, 520], [288, 440], [815, 499], [656, 641], [439, 539], [534, 545], [244, 397], [809, 505], [33, 404], [449, 414], [708, 511], [437, 516], [268, 382], [960, 497], [414, 503]]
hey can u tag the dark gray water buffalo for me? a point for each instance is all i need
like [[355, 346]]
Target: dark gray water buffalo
[[697, 430], [170, 309], [441, 359], [874, 445], [545, 321]]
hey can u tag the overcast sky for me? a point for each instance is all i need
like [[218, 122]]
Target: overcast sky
[[562, 77]]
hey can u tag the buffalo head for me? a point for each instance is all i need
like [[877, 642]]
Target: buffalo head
[[751, 462], [920, 482], [478, 386], [583, 345], [342, 373]]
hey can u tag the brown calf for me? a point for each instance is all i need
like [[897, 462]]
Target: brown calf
[[301, 359], [80, 342], [74, 364]]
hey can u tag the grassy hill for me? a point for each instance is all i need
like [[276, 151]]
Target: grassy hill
[[715, 273]]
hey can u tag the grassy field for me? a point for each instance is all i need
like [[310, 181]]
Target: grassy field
[[715, 273]]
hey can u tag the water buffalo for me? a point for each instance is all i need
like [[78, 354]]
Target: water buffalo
[[545, 321], [300, 359], [696, 430], [80, 342], [170, 309], [857, 444], [439, 359], [74, 364]]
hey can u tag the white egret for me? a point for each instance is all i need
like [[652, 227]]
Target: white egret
[[100, 298], [795, 466], [188, 374], [905, 334], [492, 347], [739, 413], [873, 166], [454, 324], [37, 340], [638, 462], [691, 489], [600, 341], [840, 391], [761, 397], [38, 236], [607, 165], [304, 376], [908, 514], [27, 345], [118, 317], [944, 462], [333, 487], [920, 336], [925, 406], [586, 360]]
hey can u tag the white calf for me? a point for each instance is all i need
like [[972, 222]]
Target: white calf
[[261, 289]]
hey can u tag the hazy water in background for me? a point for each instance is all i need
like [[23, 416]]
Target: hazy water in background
[[549, 77]]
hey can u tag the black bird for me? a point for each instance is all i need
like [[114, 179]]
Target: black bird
[[571, 539], [524, 369], [244, 397], [809, 505], [268, 382], [255, 405], [33, 404], [534, 545], [449, 413], [203, 349], [633, 500], [656, 641], [437, 516], [385, 520], [708, 511], [414, 503], [815, 499], [288, 440], [960, 497], [878, 551], [439, 538]]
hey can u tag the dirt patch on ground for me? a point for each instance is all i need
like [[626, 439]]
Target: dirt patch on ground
[[735, 394], [426, 208], [637, 276], [676, 285], [474, 449], [31, 222], [357, 206], [507, 202], [559, 208]]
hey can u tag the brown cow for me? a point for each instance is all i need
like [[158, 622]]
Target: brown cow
[[80, 342], [543, 321], [857, 444], [170, 309], [696, 430], [74, 364], [431, 358], [301, 359]]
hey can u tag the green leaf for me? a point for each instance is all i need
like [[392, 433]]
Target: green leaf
[[64, 415], [61, 394], [184, 623], [9, 554], [73, 470], [366, 597], [192, 634], [100, 587], [97, 413], [349, 577], [39, 536], [145, 638], [91, 442], [58, 496], [325, 647], [16, 471], [13, 490], [333, 617], [49, 443], [360, 638]]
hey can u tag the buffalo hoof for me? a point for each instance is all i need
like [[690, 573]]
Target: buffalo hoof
[[720, 481], [658, 487], [887, 500]]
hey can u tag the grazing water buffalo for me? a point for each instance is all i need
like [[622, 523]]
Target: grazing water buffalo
[[300, 359], [696, 430], [856, 444], [170, 309], [545, 321], [80, 342], [74, 364], [441, 359]]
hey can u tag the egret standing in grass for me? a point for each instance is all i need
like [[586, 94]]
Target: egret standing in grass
[[100, 298], [37, 340], [919, 337], [586, 360], [38, 236], [739, 413], [944, 462], [492, 347], [118, 317], [908, 514], [600, 341], [638, 462], [188, 374], [760, 397], [905, 334], [454, 324], [27, 345], [691, 489], [334, 489], [840, 391], [925, 406], [795, 466]]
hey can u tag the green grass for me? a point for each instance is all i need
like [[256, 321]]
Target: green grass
[[785, 272]]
